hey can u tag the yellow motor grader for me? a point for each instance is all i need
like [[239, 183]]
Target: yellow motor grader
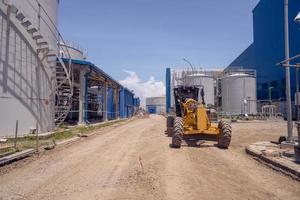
[[191, 121]]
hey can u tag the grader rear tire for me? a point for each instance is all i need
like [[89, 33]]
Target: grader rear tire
[[178, 133], [225, 137], [170, 126], [170, 121]]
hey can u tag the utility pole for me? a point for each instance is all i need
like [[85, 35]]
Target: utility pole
[[287, 73]]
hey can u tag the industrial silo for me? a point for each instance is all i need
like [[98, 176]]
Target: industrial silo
[[203, 81], [239, 93], [26, 79]]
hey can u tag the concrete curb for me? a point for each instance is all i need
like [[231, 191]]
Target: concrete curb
[[273, 163], [16, 156]]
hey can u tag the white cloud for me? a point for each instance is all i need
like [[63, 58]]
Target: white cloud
[[143, 89]]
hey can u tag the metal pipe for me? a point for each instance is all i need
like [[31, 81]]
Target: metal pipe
[[287, 73], [289, 59]]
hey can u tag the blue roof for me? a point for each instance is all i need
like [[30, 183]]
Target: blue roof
[[93, 66]]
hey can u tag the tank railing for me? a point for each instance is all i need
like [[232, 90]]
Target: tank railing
[[250, 72], [77, 47]]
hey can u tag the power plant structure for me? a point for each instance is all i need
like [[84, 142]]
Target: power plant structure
[[268, 48], [156, 105], [231, 92], [46, 81]]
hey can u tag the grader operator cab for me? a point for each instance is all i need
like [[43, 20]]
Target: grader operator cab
[[190, 120]]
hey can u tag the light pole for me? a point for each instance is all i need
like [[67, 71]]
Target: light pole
[[185, 60], [287, 73]]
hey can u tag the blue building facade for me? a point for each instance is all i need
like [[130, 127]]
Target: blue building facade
[[111, 104], [267, 48], [128, 103], [136, 102]]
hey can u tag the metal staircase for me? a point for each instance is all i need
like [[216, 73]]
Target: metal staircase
[[61, 77]]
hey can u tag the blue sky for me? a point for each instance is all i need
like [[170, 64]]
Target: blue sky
[[146, 36]]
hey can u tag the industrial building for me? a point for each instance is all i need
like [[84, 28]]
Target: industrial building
[[47, 81], [267, 48], [231, 91], [156, 105]]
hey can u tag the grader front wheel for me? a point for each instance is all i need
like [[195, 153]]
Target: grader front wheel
[[225, 137]]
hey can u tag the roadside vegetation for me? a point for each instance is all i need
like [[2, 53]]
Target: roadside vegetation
[[49, 141]]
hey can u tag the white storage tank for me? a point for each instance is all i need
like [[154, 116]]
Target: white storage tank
[[26, 85], [239, 93], [203, 81], [47, 24], [156, 105]]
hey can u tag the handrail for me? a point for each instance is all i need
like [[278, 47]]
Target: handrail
[[57, 34]]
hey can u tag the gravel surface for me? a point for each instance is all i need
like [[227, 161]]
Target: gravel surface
[[134, 161]]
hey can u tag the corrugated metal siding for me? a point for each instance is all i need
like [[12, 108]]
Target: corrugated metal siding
[[111, 108], [126, 103]]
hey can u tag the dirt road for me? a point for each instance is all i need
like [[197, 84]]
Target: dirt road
[[134, 161]]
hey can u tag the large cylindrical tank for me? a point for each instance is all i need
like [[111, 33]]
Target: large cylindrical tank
[[25, 85], [47, 24], [239, 93], [156, 103], [203, 81]]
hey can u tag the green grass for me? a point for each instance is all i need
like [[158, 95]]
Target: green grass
[[63, 135], [29, 141]]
